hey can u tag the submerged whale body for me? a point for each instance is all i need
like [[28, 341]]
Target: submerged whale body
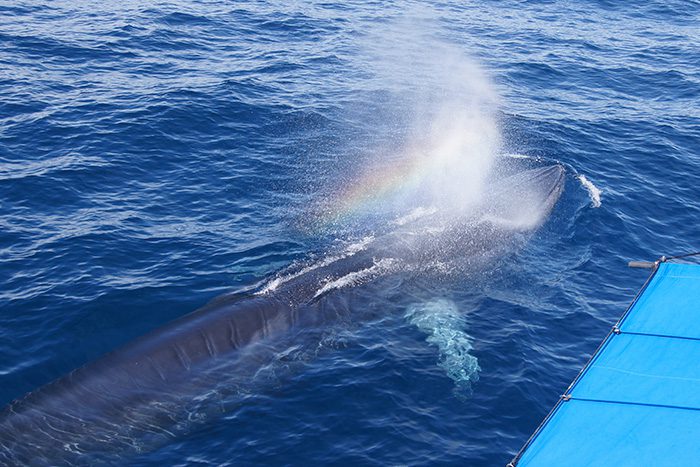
[[156, 386]]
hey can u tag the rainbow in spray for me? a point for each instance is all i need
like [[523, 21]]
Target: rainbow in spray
[[380, 184], [446, 171]]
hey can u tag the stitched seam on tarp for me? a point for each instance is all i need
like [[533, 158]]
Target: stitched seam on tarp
[[643, 404], [665, 336]]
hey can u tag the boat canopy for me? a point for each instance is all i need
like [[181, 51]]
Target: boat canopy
[[637, 401]]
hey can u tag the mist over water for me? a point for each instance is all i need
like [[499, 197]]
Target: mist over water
[[413, 201], [441, 121], [421, 185]]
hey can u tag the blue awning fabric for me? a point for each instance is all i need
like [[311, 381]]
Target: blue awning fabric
[[637, 402]]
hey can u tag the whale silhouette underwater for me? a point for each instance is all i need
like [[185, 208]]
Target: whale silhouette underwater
[[159, 385]]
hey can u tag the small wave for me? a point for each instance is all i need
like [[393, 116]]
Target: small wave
[[414, 215], [593, 191], [518, 156], [12, 171], [444, 324], [358, 246], [525, 221], [349, 251], [357, 277]]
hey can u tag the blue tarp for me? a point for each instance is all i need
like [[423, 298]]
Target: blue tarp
[[637, 402]]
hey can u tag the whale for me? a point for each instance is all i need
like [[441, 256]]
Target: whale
[[158, 386]]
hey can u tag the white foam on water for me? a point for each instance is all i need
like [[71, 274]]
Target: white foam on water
[[358, 246], [357, 277], [593, 191], [519, 156], [414, 215], [441, 320], [351, 250], [524, 222]]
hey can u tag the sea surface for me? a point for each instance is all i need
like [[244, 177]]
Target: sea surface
[[154, 155]]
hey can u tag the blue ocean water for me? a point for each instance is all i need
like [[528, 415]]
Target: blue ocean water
[[155, 156]]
